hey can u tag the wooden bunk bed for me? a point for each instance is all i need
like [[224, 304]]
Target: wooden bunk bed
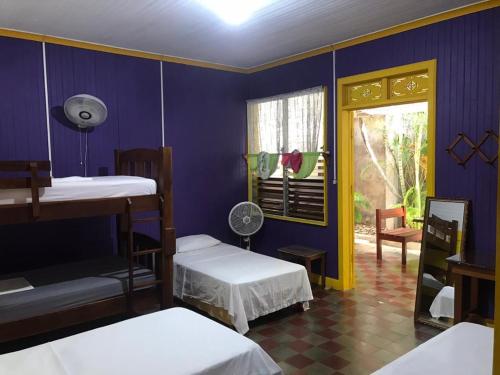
[[154, 164]]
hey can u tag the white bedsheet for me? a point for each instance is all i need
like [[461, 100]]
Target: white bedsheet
[[75, 188], [443, 305], [247, 285], [464, 349], [175, 341]]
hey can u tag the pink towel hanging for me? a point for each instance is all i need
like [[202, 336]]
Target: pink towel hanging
[[292, 160]]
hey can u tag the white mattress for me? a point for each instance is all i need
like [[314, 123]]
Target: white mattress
[[175, 341], [76, 188], [464, 349], [247, 285]]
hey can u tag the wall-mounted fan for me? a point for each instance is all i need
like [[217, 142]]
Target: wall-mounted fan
[[245, 219], [85, 110]]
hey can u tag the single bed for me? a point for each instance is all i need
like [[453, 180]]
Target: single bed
[[70, 285], [464, 349], [79, 188], [175, 341], [215, 276]]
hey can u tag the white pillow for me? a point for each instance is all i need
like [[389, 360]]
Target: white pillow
[[195, 242]]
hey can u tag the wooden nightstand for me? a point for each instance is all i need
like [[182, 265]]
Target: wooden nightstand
[[467, 271], [305, 255]]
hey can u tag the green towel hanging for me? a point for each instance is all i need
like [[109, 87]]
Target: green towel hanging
[[266, 164], [273, 162], [309, 161]]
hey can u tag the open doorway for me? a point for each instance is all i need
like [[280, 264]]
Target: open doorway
[[372, 91], [390, 171]]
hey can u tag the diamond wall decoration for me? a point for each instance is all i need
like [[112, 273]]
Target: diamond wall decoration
[[474, 148], [490, 134]]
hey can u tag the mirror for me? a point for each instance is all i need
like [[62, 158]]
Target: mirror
[[443, 235]]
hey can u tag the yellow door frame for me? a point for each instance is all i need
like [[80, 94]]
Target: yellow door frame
[[399, 85]]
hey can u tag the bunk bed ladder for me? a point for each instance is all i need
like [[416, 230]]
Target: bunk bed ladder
[[157, 165], [133, 253]]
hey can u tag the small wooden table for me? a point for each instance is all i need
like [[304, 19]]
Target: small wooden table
[[305, 255], [466, 274]]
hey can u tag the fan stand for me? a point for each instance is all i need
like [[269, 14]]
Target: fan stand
[[245, 243]]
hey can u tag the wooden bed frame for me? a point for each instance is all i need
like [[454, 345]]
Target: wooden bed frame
[[155, 164]]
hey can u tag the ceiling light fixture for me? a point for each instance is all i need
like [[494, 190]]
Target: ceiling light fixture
[[234, 12]]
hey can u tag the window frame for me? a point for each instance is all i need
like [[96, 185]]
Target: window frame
[[250, 177]]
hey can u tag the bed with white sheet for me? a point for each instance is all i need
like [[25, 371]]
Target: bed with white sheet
[[464, 349], [175, 341], [79, 188], [244, 284]]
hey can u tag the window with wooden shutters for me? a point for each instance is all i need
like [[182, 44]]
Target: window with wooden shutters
[[280, 125]]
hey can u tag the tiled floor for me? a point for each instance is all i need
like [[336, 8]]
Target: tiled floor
[[353, 332]]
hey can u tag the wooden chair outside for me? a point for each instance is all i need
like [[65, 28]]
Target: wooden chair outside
[[402, 234]]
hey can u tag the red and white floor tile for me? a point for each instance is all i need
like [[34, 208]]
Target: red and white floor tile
[[354, 332]]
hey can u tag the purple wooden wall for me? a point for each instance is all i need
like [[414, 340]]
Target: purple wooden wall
[[205, 123], [467, 50], [23, 131], [129, 86]]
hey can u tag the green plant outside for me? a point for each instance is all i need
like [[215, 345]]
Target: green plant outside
[[409, 149], [360, 203], [405, 139]]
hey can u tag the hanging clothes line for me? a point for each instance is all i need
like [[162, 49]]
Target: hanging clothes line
[[265, 164], [325, 154]]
